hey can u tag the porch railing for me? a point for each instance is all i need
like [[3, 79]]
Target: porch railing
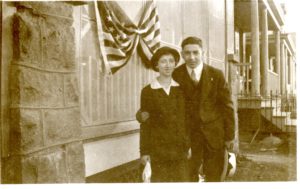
[[278, 110]]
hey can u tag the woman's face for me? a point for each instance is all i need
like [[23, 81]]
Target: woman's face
[[166, 65]]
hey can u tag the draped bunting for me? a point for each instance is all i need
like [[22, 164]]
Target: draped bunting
[[119, 37]]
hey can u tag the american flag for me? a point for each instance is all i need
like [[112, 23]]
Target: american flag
[[119, 37]]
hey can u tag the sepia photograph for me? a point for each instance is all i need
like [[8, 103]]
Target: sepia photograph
[[148, 91]]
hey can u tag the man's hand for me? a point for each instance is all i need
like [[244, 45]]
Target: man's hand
[[229, 145], [144, 159], [142, 116], [189, 155]]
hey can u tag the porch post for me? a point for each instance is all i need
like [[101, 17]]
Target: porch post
[[277, 56], [265, 53], [242, 41], [282, 67], [277, 52], [255, 74], [287, 68]]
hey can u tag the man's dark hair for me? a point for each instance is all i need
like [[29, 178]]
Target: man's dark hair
[[191, 40]]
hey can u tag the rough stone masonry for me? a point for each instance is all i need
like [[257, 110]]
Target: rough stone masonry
[[45, 131]]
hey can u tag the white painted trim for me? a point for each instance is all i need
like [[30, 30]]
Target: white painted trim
[[105, 154], [273, 73], [270, 11], [102, 130]]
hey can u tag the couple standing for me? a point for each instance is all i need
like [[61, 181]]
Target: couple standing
[[186, 116]]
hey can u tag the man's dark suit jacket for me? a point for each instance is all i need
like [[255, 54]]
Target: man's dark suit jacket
[[209, 105]]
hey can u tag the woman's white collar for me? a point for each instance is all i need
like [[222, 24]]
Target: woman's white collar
[[156, 85]]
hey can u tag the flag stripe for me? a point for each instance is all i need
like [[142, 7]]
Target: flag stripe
[[150, 40], [146, 50], [153, 42], [154, 34], [115, 51], [101, 37], [157, 33], [146, 12], [128, 47], [110, 41], [108, 36], [152, 12], [113, 57], [117, 63], [119, 27], [120, 15], [150, 30], [119, 37], [154, 47]]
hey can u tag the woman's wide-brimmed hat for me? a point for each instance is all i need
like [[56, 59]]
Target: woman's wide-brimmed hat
[[163, 51]]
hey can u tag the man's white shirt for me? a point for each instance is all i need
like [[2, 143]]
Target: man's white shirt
[[197, 70]]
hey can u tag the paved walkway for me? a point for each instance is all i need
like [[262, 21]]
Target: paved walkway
[[258, 162]]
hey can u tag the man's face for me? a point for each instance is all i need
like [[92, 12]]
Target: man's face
[[192, 55]]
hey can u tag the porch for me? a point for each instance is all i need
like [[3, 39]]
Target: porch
[[273, 114]]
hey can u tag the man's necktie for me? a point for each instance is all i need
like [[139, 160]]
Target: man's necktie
[[193, 77]]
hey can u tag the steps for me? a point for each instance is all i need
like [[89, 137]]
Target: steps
[[291, 125], [278, 118]]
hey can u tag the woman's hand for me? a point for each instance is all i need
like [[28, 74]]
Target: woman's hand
[[142, 116], [144, 159]]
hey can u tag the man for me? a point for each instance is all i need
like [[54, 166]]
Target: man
[[209, 111]]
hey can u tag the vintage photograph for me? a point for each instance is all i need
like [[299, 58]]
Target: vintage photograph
[[148, 91]]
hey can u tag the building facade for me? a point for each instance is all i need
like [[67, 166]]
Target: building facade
[[266, 52], [63, 119], [267, 67]]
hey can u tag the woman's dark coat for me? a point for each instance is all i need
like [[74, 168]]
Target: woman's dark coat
[[164, 135]]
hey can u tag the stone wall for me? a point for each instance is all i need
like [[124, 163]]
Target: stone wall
[[45, 132]]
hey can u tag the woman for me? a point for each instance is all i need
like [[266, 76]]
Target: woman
[[163, 138]]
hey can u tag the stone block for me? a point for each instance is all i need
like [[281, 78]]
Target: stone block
[[30, 171], [45, 42], [49, 7], [27, 39], [11, 170], [33, 88], [71, 90], [75, 162], [25, 133], [45, 167], [61, 125], [58, 43]]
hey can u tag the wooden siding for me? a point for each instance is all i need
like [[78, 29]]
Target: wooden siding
[[273, 82], [216, 48], [171, 21], [196, 20], [106, 98]]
